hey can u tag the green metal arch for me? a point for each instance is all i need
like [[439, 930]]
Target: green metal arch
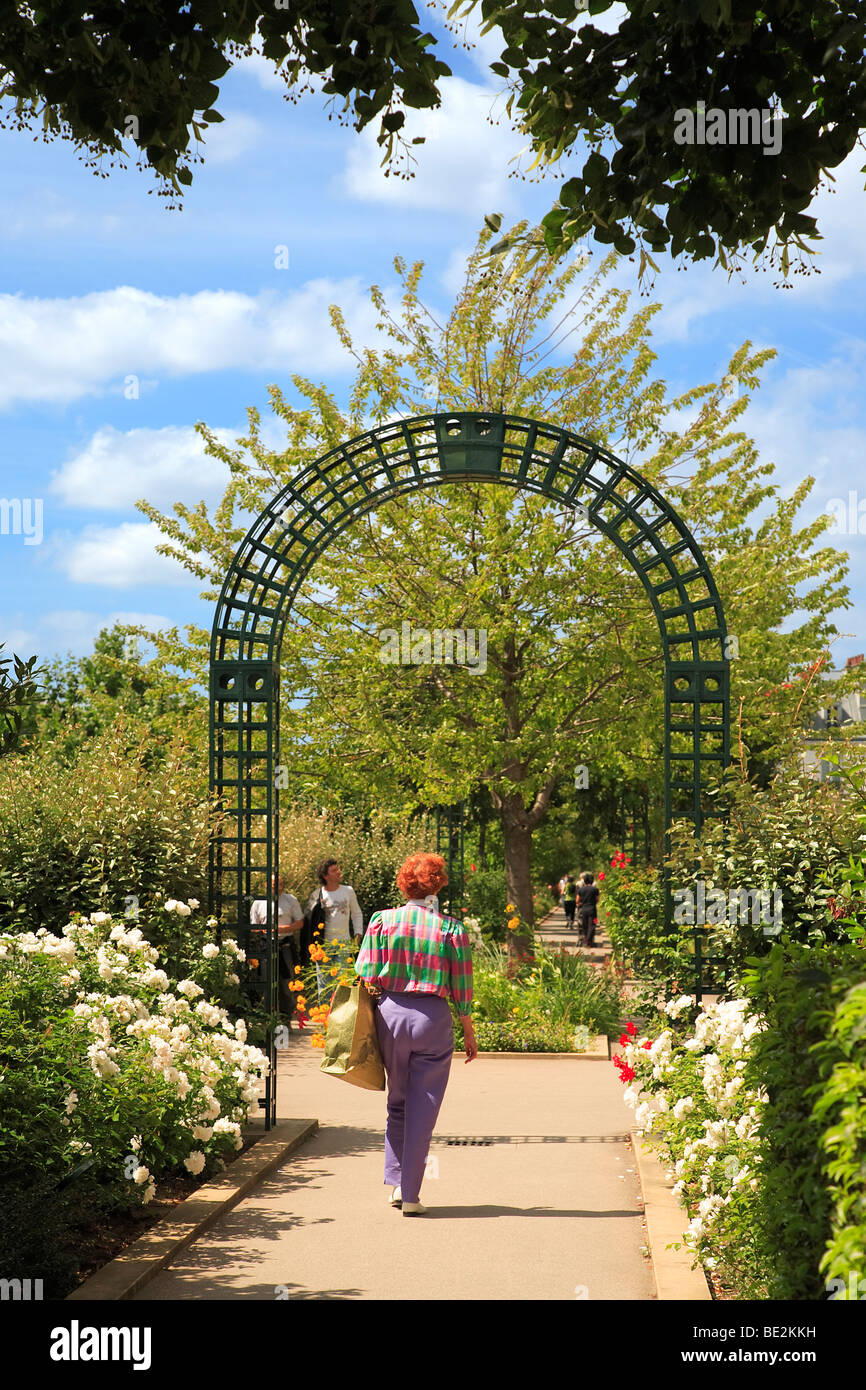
[[409, 455]]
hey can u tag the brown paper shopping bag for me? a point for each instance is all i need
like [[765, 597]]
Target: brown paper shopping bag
[[351, 1044]]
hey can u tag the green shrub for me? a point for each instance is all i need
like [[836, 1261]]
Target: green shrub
[[112, 1075], [691, 1089], [127, 816], [369, 854], [485, 896], [551, 990], [801, 1061], [841, 1107], [524, 1037], [796, 837]]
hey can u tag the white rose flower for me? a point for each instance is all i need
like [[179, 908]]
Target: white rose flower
[[100, 918], [170, 905], [203, 1132], [182, 910], [193, 902], [190, 989], [210, 950], [141, 1175], [195, 1162], [149, 1192], [154, 979], [71, 1102]]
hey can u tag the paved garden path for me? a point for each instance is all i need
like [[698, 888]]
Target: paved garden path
[[544, 1204]]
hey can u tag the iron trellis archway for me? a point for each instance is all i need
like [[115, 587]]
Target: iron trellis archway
[[358, 476]]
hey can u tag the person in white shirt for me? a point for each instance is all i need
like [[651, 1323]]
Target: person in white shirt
[[290, 919], [343, 917]]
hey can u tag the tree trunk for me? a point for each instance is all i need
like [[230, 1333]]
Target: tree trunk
[[517, 839]]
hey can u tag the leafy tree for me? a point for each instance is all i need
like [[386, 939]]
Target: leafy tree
[[102, 73], [630, 93], [83, 696], [148, 73], [18, 692], [573, 656]]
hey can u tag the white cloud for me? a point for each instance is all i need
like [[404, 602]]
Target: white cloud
[[808, 420], [701, 291], [115, 468], [462, 166], [73, 630], [227, 140], [59, 350], [120, 557]]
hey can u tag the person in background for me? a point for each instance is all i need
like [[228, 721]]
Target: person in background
[[569, 901], [412, 961], [343, 917], [587, 903], [290, 919]]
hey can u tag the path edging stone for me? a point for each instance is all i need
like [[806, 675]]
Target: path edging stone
[[134, 1267], [665, 1223]]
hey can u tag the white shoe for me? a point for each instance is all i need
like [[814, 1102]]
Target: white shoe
[[414, 1209], [395, 1200]]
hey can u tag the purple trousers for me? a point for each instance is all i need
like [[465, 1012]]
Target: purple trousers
[[416, 1036]]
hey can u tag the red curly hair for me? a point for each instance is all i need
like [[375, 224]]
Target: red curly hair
[[422, 874]]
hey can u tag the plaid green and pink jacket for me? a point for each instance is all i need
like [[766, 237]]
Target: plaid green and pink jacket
[[414, 950]]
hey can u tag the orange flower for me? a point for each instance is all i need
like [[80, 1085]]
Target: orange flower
[[334, 971], [302, 1003]]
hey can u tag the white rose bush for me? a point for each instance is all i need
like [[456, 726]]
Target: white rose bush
[[114, 1075], [693, 1093]]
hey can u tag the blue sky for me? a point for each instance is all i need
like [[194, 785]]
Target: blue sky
[[100, 283]]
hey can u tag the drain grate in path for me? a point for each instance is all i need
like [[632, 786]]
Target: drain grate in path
[[453, 1140]]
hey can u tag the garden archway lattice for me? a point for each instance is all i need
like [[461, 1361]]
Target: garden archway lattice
[[407, 456]]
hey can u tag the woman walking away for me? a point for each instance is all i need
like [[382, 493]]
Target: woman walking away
[[412, 960], [587, 903], [569, 901]]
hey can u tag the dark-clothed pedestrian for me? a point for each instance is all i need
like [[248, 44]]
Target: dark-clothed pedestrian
[[587, 902]]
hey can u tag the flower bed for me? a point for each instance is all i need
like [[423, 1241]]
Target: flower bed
[[528, 1037], [113, 1077], [693, 1092]]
